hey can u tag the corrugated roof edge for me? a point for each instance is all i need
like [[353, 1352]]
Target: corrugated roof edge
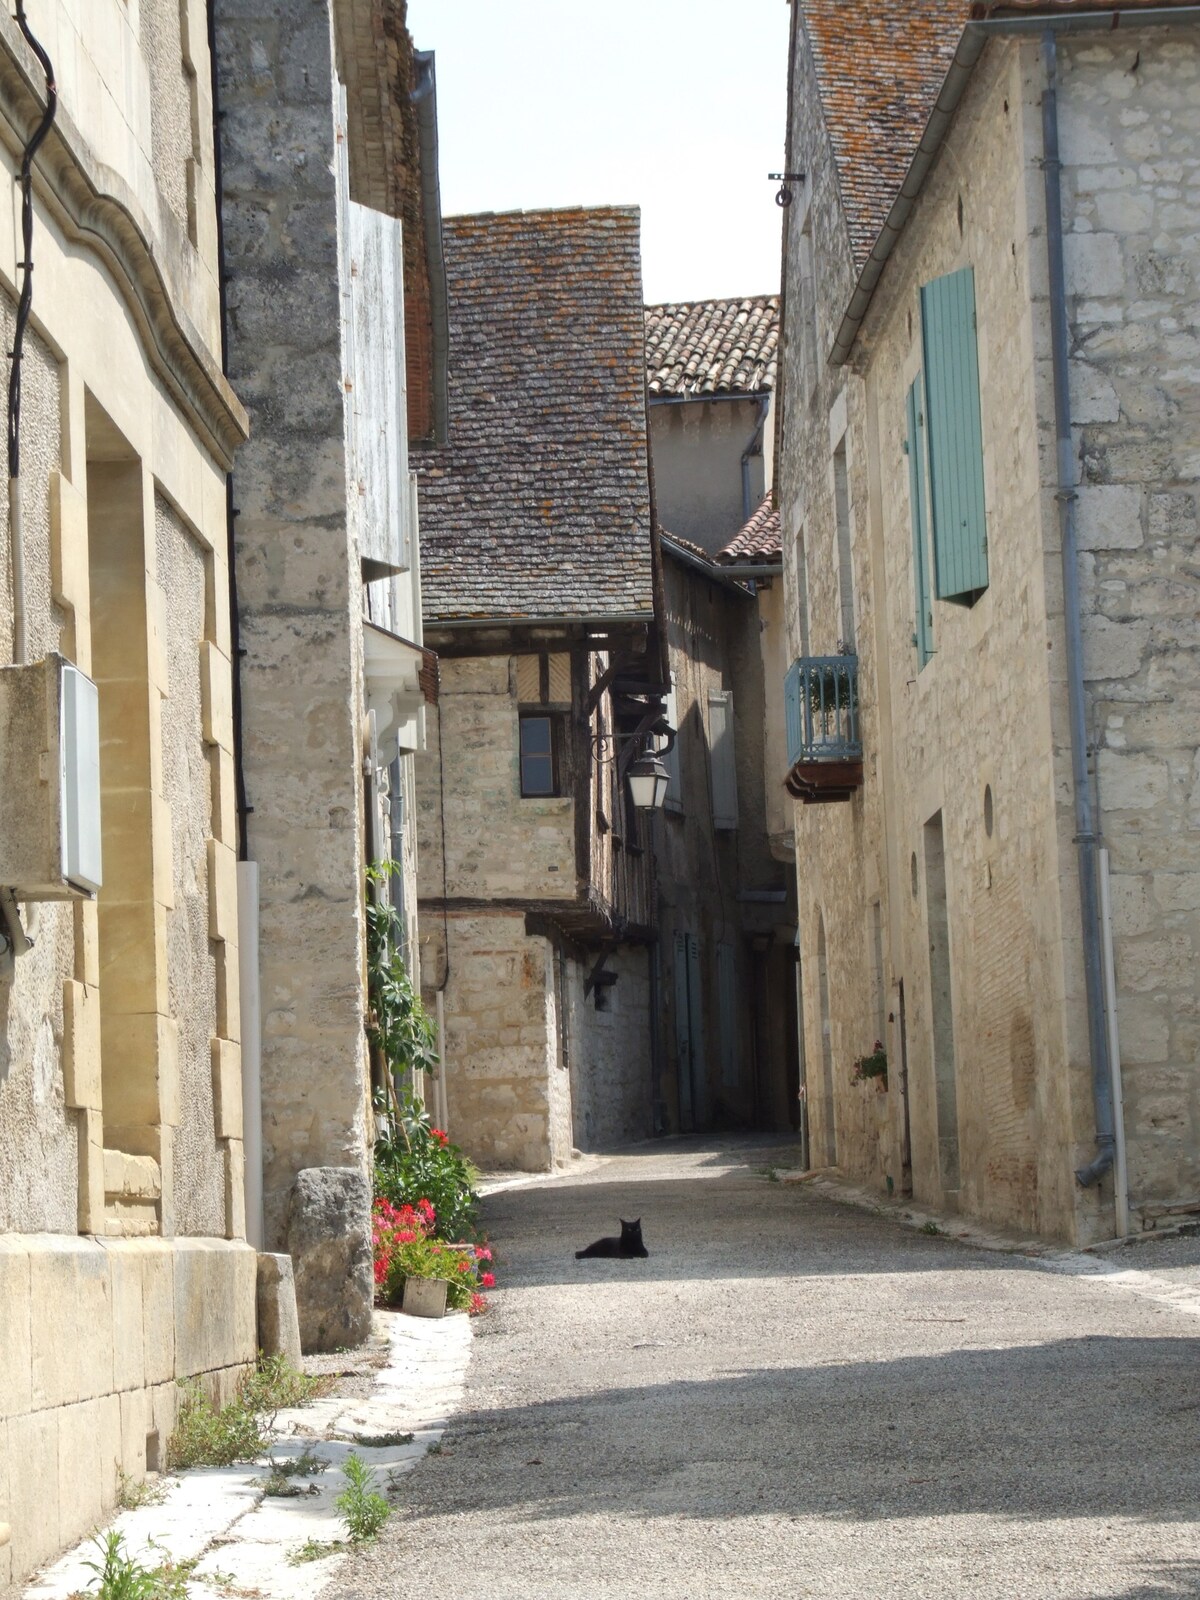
[[1000, 20]]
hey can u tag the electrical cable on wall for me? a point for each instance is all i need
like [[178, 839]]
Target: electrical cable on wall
[[24, 305]]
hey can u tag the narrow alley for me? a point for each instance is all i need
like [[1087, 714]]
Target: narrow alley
[[794, 1397]]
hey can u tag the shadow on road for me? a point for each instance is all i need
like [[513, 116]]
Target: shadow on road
[[1089, 1427]]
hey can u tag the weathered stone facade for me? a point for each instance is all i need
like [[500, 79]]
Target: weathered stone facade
[[123, 1262], [332, 704], [940, 905]]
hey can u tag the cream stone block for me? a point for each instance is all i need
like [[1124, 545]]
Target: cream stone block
[[157, 634], [69, 577], [128, 1315], [142, 1079], [227, 1088], [163, 851], [129, 1177], [158, 1306], [235, 1189], [128, 844], [137, 1423], [15, 1326], [216, 1286], [229, 995], [80, 1499], [81, 1046], [91, 1171], [164, 1408], [70, 1320], [110, 1447], [222, 892], [133, 960], [87, 942], [216, 696], [224, 796], [33, 1502]]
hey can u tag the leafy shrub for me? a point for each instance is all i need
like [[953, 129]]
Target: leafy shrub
[[871, 1066], [120, 1577], [399, 1024], [364, 1509], [415, 1161]]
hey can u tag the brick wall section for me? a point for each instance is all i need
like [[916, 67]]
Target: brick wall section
[[540, 505]]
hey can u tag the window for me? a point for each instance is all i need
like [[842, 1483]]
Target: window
[[954, 437], [914, 446], [539, 774]]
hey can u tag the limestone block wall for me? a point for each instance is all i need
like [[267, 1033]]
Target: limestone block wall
[[1130, 120], [607, 1050], [497, 844], [95, 1336], [300, 588], [507, 1086]]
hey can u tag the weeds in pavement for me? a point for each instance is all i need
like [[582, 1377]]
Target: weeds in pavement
[[363, 1507], [207, 1437], [375, 1441], [315, 1550], [930, 1227], [133, 1493], [120, 1577]]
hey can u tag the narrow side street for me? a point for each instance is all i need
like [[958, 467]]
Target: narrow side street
[[793, 1397]]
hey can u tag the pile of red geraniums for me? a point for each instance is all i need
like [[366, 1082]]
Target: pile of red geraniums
[[407, 1246]]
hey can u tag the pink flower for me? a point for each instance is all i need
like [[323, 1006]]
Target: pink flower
[[482, 1253]]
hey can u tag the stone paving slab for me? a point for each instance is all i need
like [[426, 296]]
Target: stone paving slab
[[242, 1539]]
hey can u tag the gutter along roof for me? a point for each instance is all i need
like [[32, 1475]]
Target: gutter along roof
[[539, 506], [889, 89]]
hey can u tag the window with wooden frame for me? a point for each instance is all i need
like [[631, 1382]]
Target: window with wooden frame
[[539, 756]]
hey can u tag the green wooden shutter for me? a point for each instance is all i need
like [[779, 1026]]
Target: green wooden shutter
[[914, 445], [727, 1013], [955, 436]]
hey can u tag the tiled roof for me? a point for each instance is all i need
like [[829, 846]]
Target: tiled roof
[[759, 540], [539, 506], [879, 76], [703, 347]]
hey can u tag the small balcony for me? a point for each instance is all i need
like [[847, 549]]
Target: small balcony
[[824, 748]]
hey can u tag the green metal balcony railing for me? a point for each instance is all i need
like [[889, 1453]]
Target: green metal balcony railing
[[821, 703]]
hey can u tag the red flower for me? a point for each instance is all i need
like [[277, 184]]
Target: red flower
[[488, 1280], [441, 1136]]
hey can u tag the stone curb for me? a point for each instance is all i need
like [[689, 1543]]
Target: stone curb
[[241, 1541]]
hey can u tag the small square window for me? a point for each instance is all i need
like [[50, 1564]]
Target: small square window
[[538, 774]]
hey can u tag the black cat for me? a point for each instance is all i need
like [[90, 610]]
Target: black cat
[[629, 1244]]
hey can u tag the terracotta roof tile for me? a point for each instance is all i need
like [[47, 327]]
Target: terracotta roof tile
[[539, 506], [760, 540], [708, 347], [879, 73]]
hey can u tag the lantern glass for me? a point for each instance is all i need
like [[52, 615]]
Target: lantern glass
[[648, 779]]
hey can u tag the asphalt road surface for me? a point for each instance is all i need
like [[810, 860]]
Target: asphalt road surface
[[793, 1397]]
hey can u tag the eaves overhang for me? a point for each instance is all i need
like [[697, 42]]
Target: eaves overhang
[[1006, 20]]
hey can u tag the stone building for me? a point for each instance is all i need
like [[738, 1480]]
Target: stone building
[[988, 479], [724, 856], [542, 597], [121, 1194], [336, 339]]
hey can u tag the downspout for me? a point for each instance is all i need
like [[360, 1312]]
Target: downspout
[[754, 448], [1086, 840]]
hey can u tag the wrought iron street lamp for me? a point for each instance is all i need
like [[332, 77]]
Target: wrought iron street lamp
[[648, 779]]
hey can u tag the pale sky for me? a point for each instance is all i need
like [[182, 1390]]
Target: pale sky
[[674, 105]]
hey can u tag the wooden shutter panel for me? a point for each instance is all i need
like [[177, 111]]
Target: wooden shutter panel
[[699, 1047], [724, 768], [915, 446], [955, 435], [683, 1033]]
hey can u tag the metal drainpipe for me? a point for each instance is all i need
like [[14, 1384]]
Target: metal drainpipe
[[1086, 840], [754, 448]]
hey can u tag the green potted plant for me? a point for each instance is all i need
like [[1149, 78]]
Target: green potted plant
[[872, 1067]]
